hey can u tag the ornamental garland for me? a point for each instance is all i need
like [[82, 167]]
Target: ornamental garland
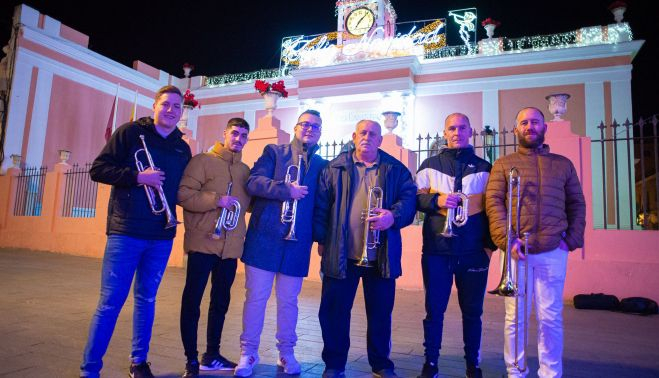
[[608, 34], [239, 78]]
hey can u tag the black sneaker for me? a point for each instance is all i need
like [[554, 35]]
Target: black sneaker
[[474, 372], [141, 370], [191, 369], [429, 370], [216, 362]]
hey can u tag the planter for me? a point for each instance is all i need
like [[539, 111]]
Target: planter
[[558, 105], [270, 99]]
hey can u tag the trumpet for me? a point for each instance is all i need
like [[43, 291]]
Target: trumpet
[[371, 237], [228, 219], [151, 192], [289, 207], [509, 284], [456, 216]]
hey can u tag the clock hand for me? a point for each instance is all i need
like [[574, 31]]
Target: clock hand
[[360, 20]]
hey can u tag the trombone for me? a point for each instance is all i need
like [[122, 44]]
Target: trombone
[[228, 219], [509, 286], [151, 192], [371, 237], [289, 207], [457, 216]]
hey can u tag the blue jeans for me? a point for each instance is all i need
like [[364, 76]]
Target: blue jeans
[[470, 272], [126, 257], [336, 303]]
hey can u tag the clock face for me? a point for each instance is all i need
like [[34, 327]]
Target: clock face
[[360, 21]]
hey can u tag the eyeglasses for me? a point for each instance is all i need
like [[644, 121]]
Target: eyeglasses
[[309, 125]]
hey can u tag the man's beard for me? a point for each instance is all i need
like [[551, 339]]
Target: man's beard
[[533, 144]]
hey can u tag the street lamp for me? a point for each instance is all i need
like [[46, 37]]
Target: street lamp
[[488, 143]]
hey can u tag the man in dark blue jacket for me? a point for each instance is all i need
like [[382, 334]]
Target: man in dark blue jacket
[[269, 254], [466, 254], [139, 241], [341, 202]]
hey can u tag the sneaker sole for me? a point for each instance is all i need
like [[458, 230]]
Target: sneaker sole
[[221, 368], [245, 372]]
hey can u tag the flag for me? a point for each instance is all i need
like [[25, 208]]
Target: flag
[[112, 121], [133, 113]]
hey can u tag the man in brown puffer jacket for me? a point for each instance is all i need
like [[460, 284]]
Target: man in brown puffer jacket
[[553, 212], [204, 195]]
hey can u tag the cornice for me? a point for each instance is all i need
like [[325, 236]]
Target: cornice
[[513, 59], [356, 68], [91, 58]]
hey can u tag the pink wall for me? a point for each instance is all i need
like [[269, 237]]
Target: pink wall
[[430, 111], [287, 118], [30, 108], [77, 120], [74, 35], [211, 128], [342, 118], [511, 101]]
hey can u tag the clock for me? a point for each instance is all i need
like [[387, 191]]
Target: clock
[[360, 21]]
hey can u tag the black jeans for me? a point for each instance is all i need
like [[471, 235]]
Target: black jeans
[[222, 272], [470, 273], [336, 303]]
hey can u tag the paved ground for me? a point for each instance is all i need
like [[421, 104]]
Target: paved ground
[[46, 302]]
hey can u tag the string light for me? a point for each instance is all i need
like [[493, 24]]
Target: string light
[[588, 36], [239, 78]]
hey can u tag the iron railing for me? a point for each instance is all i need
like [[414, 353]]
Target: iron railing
[[628, 156], [29, 191], [624, 168], [79, 193]]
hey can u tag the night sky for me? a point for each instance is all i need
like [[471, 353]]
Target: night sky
[[224, 36]]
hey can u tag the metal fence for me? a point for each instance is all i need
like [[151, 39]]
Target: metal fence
[[488, 144], [79, 193], [628, 156], [624, 168], [29, 192]]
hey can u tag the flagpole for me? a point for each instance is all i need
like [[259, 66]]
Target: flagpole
[[116, 103], [133, 114]]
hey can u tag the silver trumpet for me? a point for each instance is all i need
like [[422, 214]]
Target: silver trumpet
[[151, 192], [289, 207], [456, 216], [228, 219], [371, 237], [509, 284]]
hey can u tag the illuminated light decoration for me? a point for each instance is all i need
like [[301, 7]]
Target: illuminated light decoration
[[598, 35], [466, 18], [322, 50], [239, 78], [490, 46], [351, 4], [361, 3]]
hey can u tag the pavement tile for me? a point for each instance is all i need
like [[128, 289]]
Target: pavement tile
[[47, 301]]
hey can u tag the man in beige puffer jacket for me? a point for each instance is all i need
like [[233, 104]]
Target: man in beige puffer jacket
[[553, 212], [203, 194]]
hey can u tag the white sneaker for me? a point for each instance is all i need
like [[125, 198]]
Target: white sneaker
[[246, 365], [289, 364]]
